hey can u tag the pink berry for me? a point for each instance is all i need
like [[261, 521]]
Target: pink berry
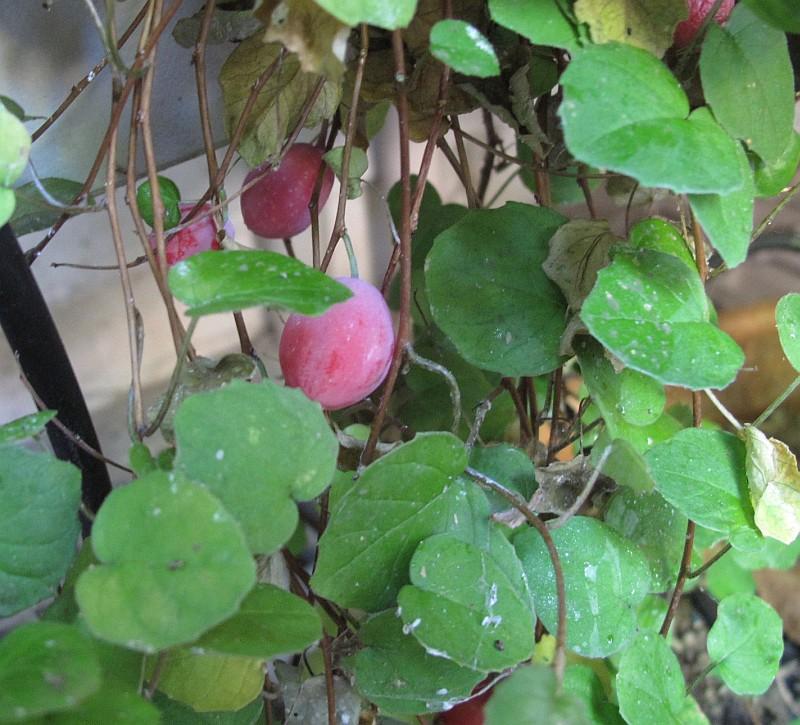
[[466, 713], [341, 356], [698, 9], [277, 205], [199, 237]]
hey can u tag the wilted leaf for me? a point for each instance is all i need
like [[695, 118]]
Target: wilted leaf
[[774, 483], [316, 36], [357, 168], [647, 24], [226, 26], [33, 212], [280, 102]]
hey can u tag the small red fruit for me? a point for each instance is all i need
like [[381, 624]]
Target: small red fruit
[[341, 356], [276, 206], [698, 9], [199, 237], [466, 713]]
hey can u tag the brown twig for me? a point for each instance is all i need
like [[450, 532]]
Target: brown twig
[[493, 140], [697, 420], [84, 82], [583, 182], [350, 134], [710, 562], [522, 413], [472, 197], [552, 441], [404, 324], [330, 691], [559, 660]]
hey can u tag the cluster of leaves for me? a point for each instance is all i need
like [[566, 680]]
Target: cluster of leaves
[[182, 593]]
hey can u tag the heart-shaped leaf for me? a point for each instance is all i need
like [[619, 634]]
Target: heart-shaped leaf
[[173, 564]]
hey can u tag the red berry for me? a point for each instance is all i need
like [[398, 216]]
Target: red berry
[[276, 206], [199, 237], [698, 9], [466, 713], [341, 356]]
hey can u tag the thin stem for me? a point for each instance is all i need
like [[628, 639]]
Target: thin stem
[[350, 134], [158, 670], [404, 323], [552, 440], [767, 221], [524, 421], [587, 192], [434, 367], [700, 677], [493, 140], [711, 561], [472, 197], [559, 661], [330, 691], [723, 410], [584, 494], [775, 404]]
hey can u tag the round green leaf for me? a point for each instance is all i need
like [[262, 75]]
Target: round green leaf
[[469, 605], [258, 447], [387, 15], [110, 705], [746, 643], [269, 622], [508, 465], [170, 196], [650, 685], [45, 667], [530, 696], [787, 317], [661, 236], [652, 139], [771, 178], [543, 22], [756, 103], [726, 576], [404, 497], [606, 578], [399, 676], [464, 48], [651, 311], [176, 713], [489, 294], [656, 527], [229, 281], [173, 564], [702, 473], [582, 682], [38, 525], [15, 144], [208, 682], [781, 14]]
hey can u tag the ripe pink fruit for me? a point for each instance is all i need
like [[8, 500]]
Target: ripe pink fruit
[[466, 713], [277, 206], [341, 356], [698, 9], [199, 237]]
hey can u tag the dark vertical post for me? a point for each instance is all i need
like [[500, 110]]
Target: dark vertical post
[[34, 339]]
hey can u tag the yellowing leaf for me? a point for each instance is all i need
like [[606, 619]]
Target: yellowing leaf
[[774, 482], [280, 103], [647, 24], [318, 38]]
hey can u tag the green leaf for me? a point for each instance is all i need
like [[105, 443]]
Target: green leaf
[[176, 713], [13, 107], [787, 318], [702, 473], [543, 22], [661, 236], [33, 212], [408, 495], [38, 525], [15, 144], [774, 484], [656, 527], [650, 685], [726, 576], [625, 464], [649, 25], [45, 667], [746, 643], [529, 697], [727, 219], [578, 250], [605, 576], [469, 605], [110, 705], [173, 564], [508, 465], [464, 48], [399, 676], [357, 168], [772, 555], [170, 198], [209, 682], [488, 293], [770, 179], [258, 447], [7, 204], [387, 15], [756, 103], [25, 427], [269, 622], [229, 281], [651, 311], [653, 141], [781, 14], [628, 401], [226, 26], [280, 103], [583, 683]]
